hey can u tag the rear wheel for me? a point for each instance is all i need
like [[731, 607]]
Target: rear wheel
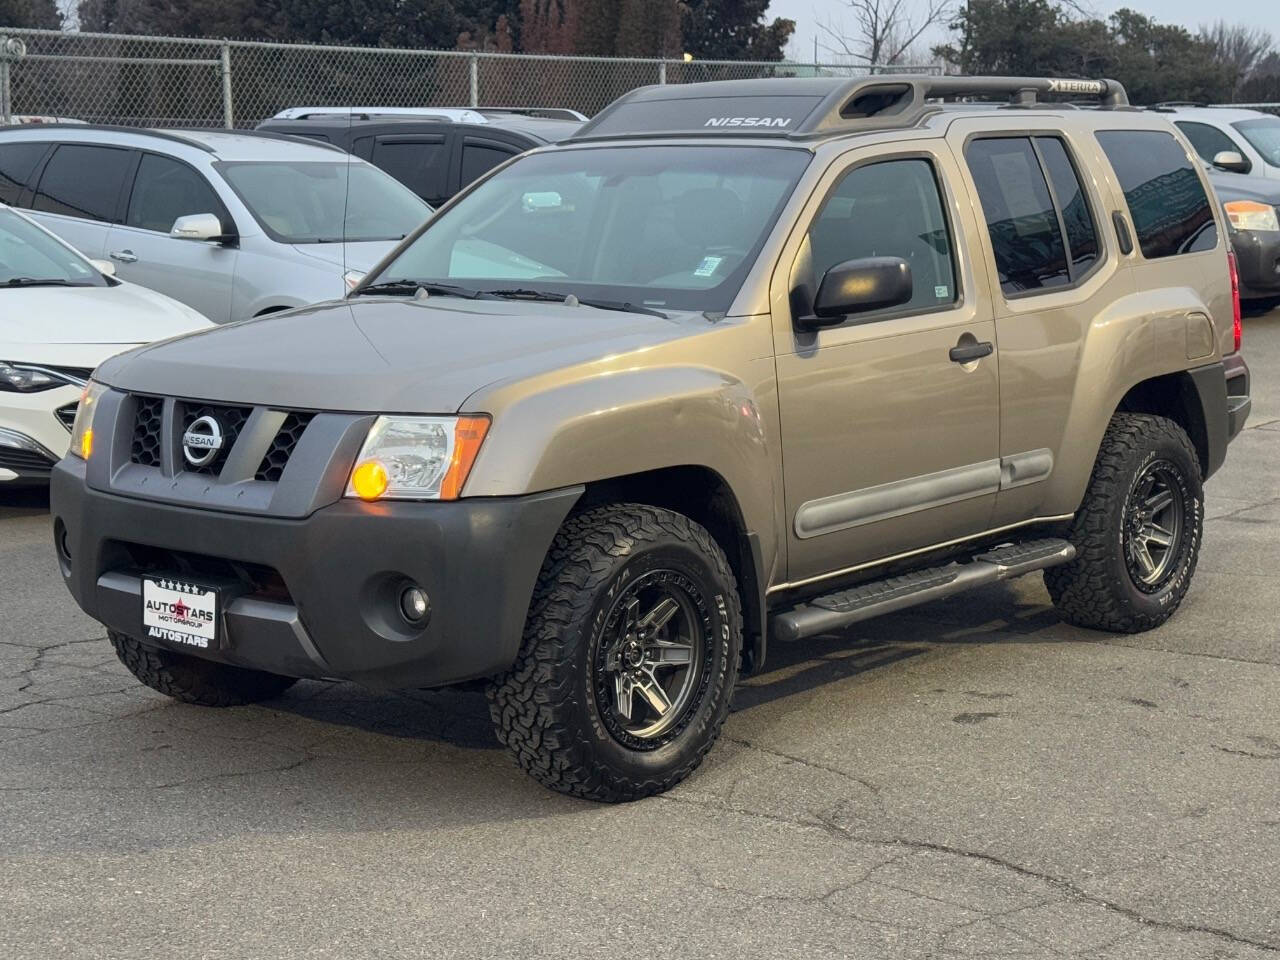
[[1137, 534], [629, 658], [193, 680]]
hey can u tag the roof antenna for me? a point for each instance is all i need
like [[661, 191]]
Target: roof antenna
[[346, 199]]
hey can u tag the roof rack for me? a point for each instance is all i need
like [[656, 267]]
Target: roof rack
[[274, 135], [802, 108], [443, 114], [545, 113], [1167, 106], [114, 128]]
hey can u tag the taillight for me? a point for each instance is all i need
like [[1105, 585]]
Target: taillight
[[1237, 329]]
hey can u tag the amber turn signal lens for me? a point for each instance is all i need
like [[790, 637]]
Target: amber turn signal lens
[[86, 444], [369, 480], [468, 434]]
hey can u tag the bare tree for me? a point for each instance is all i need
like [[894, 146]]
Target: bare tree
[[1238, 46], [883, 29]]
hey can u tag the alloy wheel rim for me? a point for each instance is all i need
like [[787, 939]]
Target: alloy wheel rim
[[1155, 517], [650, 659]]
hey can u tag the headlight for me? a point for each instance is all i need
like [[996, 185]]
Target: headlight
[[28, 378], [1251, 215], [82, 428], [417, 458]]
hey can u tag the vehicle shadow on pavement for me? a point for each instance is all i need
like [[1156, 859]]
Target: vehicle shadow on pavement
[[23, 501]]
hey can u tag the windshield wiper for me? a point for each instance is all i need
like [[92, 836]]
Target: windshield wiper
[[41, 282], [407, 288], [544, 296]]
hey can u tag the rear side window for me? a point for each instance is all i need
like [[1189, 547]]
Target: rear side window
[[1077, 218], [165, 190], [83, 181], [1207, 141], [17, 163], [1170, 211], [1026, 236], [479, 158], [421, 163], [889, 209]]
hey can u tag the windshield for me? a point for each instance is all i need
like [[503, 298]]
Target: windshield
[[303, 202], [29, 257], [661, 227], [1264, 135]]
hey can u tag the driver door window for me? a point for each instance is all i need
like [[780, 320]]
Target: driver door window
[[889, 209], [165, 190]]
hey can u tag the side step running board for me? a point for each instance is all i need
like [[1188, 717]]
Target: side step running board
[[836, 610]]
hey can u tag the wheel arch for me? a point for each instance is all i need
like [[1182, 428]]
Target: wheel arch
[[1188, 398], [704, 496]]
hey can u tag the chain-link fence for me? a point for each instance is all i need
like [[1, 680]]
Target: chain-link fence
[[171, 81]]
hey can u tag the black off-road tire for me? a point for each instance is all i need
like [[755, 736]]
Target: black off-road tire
[[1097, 589], [546, 709], [193, 680]]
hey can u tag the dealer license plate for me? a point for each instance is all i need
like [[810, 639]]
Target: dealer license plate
[[180, 613]]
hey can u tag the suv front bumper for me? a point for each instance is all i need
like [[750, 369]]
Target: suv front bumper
[[1258, 260], [333, 609]]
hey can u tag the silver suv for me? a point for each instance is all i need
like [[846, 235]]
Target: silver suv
[[233, 224]]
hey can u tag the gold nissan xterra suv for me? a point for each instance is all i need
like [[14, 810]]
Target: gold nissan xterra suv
[[739, 362]]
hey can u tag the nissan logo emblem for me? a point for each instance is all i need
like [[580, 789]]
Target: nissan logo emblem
[[202, 441]]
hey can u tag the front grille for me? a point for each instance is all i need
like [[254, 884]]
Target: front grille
[[230, 419], [67, 415], [24, 461], [146, 431], [281, 449]]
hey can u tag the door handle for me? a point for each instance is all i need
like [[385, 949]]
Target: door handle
[[124, 256], [969, 352]]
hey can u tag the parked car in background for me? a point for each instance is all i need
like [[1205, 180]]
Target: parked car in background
[[434, 152], [1213, 131], [1242, 151], [60, 316], [233, 224]]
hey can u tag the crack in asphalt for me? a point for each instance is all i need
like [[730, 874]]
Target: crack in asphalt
[[1070, 889], [812, 764], [1184, 653]]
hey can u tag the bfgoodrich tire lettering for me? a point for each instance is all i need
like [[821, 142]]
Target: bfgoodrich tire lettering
[[193, 680], [1103, 587], [556, 708]]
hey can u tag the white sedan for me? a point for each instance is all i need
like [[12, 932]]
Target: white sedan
[[60, 316]]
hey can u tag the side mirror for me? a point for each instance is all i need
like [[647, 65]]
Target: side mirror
[[198, 226], [1232, 161], [857, 286], [104, 267]]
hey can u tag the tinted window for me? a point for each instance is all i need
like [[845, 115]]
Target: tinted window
[[1207, 141], [1082, 234], [1167, 202], [165, 190], [420, 163], [888, 209], [17, 163], [1029, 249], [479, 159], [81, 181]]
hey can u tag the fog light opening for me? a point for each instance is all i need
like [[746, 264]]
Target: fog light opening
[[415, 607]]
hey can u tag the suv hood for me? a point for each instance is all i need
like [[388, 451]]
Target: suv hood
[[1241, 186], [384, 355], [348, 256]]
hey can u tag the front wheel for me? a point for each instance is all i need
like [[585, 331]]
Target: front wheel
[[629, 657], [1137, 534]]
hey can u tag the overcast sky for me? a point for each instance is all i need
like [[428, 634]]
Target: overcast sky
[[1190, 13]]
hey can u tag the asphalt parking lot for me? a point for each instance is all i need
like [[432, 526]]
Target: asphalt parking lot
[[969, 779]]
